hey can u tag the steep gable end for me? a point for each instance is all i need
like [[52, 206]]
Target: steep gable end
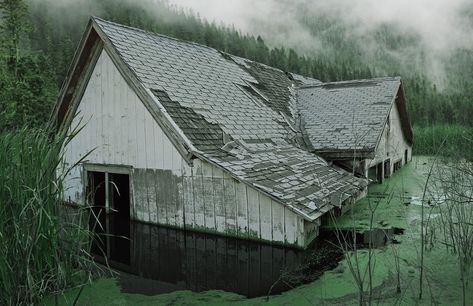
[[350, 115], [90, 47]]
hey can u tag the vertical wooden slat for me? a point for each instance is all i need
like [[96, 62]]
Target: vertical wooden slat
[[208, 189], [198, 195], [242, 209], [218, 199], [277, 221], [265, 218], [253, 213], [230, 204]]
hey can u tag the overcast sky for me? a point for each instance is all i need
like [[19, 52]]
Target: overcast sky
[[438, 22]]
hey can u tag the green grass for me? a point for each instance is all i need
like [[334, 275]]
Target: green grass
[[40, 252], [457, 140]]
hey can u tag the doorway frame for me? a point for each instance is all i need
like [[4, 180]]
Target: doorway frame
[[114, 169], [105, 168]]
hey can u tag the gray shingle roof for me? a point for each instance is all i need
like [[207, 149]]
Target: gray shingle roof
[[298, 178], [240, 115], [343, 116]]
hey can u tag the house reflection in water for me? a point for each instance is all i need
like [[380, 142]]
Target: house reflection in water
[[163, 260]]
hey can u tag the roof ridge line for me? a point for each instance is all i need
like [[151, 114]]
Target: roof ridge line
[[153, 33], [192, 43], [393, 78]]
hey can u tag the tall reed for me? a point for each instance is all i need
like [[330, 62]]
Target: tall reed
[[41, 252], [456, 138]]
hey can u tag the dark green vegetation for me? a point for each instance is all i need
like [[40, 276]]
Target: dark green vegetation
[[40, 252], [39, 39], [448, 140]]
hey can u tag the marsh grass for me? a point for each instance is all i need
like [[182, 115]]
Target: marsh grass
[[42, 252], [456, 138], [454, 182]]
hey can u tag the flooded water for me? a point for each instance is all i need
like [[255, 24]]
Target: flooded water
[[158, 260]]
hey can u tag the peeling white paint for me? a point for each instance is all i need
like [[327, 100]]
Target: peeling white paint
[[119, 130]]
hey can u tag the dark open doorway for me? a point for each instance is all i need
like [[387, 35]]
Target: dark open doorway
[[119, 217], [387, 168], [379, 172], [109, 195]]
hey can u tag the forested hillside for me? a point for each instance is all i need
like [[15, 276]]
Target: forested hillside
[[39, 38]]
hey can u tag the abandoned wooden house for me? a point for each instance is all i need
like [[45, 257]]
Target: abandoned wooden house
[[365, 121], [182, 135]]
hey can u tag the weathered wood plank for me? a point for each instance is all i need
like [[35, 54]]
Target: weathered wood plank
[[209, 206], [277, 221], [179, 193], [218, 199], [161, 197], [253, 213], [242, 209], [198, 195], [151, 191], [230, 204], [290, 221], [189, 213], [265, 218]]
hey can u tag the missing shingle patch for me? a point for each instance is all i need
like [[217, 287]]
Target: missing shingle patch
[[348, 85]]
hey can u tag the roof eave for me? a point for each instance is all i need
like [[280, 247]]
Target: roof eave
[[60, 111], [345, 154]]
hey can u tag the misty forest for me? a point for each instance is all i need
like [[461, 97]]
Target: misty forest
[[423, 212]]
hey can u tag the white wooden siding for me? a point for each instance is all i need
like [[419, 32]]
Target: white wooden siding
[[119, 130], [236, 208], [392, 144], [116, 129]]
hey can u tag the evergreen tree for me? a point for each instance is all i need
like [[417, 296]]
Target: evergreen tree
[[14, 24]]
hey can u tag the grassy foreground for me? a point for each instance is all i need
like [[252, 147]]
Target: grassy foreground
[[40, 253], [441, 284]]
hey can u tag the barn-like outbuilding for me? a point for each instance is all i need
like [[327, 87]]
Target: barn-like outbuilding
[[179, 134], [361, 123]]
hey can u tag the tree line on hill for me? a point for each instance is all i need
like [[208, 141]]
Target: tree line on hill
[[39, 39]]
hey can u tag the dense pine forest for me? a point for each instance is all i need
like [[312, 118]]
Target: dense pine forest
[[39, 39]]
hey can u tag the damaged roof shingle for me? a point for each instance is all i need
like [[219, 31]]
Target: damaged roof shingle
[[348, 115], [239, 115]]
